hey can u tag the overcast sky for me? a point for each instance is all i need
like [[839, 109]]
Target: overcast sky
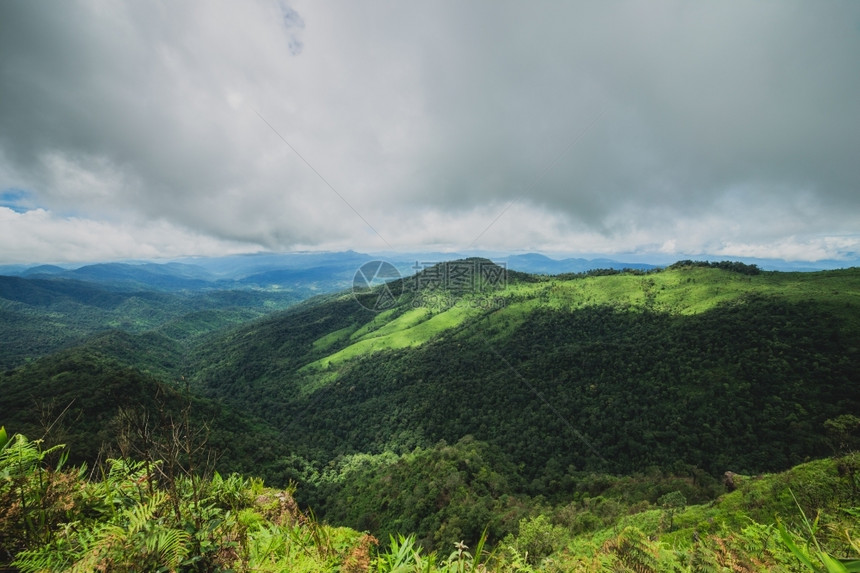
[[159, 129]]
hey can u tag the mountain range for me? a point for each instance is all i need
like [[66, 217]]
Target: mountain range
[[539, 378]]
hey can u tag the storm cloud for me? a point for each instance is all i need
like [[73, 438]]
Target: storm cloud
[[728, 128]]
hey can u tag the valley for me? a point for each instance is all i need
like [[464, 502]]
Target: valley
[[559, 405]]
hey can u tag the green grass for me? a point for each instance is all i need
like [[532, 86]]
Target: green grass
[[332, 338], [378, 321], [405, 321], [687, 291], [411, 329], [818, 486]]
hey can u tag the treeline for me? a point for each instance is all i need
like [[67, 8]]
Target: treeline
[[731, 266], [607, 273]]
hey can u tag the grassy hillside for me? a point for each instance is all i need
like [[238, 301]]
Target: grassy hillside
[[701, 366], [456, 408], [422, 316]]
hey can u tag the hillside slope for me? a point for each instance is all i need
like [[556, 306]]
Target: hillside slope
[[89, 397], [692, 366], [42, 315], [445, 406]]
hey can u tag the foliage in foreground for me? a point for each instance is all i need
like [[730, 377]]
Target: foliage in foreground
[[129, 516], [128, 519]]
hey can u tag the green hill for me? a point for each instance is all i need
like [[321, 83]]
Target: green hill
[[464, 403], [40, 316], [88, 397], [698, 366]]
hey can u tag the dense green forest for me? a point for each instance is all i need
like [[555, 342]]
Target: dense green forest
[[170, 515], [41, 316], [555, 419]]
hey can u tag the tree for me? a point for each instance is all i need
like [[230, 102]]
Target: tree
[[671, 502], [844, 433]]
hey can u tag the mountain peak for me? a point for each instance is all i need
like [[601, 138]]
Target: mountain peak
[[463, 276]]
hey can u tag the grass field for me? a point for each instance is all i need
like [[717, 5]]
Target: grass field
[[685, 291]]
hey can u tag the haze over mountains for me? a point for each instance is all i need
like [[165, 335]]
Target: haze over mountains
[[328, 270]]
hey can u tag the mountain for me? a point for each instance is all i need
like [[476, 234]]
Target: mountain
[[311, 273], [48, 307], [612, 373], [237, 267], [42, 270], [306, 274], [41, 315], [516, 389], [164, 276], [449, 352], [541, 264]]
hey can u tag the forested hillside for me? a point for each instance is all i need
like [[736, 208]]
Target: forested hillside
[[698, 367], [447, 409], [40, 315]]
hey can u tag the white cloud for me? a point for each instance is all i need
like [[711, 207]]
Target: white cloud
[[39, 235], [619, 127]]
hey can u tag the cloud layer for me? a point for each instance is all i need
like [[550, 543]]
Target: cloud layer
[[727, 128]]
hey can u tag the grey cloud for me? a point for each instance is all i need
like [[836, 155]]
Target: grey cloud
[[656, 111], [695, 99], [134, 91]]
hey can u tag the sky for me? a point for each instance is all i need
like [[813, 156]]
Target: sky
[[152, 130]]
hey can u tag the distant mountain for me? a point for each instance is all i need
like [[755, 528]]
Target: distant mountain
[[42, 292], [237, 267], [305, 273], [124, 276], [332, 271], [541, 264], [323, 279], [166, 276], [43, 270], [13, 270]]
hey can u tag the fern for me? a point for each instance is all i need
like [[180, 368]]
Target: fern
[[703, 560], [170, 546], [634, 551]]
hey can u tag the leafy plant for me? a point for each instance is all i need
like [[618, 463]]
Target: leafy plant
[[809, 551]]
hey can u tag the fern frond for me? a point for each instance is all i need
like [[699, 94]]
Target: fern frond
[[170, 546], [141, 514], [634, 551]]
